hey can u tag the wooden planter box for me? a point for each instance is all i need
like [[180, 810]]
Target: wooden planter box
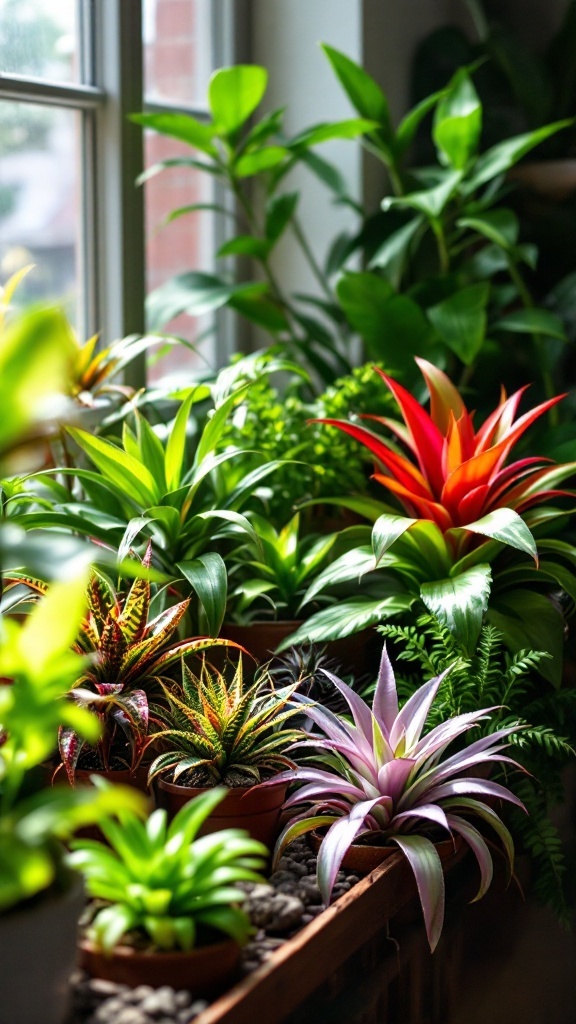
[[343, 966]]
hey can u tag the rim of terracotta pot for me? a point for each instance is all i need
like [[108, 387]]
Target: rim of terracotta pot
[[237, 799], [365, 857], [203, 969]]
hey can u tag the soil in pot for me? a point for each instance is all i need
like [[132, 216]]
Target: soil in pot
[[254, 808]]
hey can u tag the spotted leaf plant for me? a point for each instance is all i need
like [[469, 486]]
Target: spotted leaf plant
[[222, 731], [132, 655], [381, 776]]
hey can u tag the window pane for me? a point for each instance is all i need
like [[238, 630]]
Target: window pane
[[40, 201], [185, 244], [177, 50], [40, 38]]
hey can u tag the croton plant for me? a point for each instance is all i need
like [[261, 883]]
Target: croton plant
[[132, 655]]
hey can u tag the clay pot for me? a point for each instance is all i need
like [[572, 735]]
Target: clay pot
[[363, 858], [254, 808], [204, 971], [38, 955], [124, 777]]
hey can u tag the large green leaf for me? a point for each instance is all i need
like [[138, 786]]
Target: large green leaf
[[500, 226], [506, 526], [364, 93], [391, 256], [410, 123], [387, 529], [279, 212], [183, 127], [501, 157], [458, 121], [129, 476], [332, 130], [460, 320], [460, 603], [529, 620], [350, 566], [261, 160], [174, 458], [194, 293], [348, 617], [393, 326], [234, 93], [533, 321], [36, 353], [208, 578], [430, 201]]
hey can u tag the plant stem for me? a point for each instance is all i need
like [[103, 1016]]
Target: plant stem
[[314, 265], [443, 254], [479, 19]]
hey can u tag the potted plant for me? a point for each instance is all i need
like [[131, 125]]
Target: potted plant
[[472, 532], [132, 654], [383, 779], [211, 732], [170, 898], [40, 898]]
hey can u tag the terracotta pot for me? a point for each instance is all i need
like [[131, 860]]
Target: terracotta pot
[[203, 971], [254, 808], [363, 858], [124, 777], [37, 957]]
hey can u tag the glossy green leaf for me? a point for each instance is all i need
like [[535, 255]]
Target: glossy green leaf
[[500, 226], [175, 456], [183, 127], [532, 321], [410, 123], [393, 326], [460, 320], [458, 122], [332, 130], [261, 160], [347, 617], [245, 245], [194, 293], [392, 255], [279, 212], [208, 578], [234, 93], [364, 93], [460, 602], [431, 201], [506, 526], [501, 157], [128, 475], [529, 621], [261, 309], [350, 566]]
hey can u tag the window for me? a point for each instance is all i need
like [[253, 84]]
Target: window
[[70, 73]]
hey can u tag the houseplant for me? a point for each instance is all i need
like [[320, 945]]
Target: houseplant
[[173, 894], [473, 533], [544, 745], [40, 899], [215, 731], [132, 654], [381, 777]]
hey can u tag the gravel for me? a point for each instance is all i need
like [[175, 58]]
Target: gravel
[[278, 910]]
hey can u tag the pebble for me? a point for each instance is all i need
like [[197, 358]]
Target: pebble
[[278, 909]]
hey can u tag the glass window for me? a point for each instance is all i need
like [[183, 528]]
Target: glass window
[[177, 51], [40, 208], [39, 38], [178, 61]]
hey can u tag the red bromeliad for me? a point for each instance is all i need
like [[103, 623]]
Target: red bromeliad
[[458, 475]]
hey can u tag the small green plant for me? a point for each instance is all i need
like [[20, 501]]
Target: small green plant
[[162, 883], [220, 732], [37, 667]]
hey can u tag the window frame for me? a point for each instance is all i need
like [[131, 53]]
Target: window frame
[[111, 261]]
